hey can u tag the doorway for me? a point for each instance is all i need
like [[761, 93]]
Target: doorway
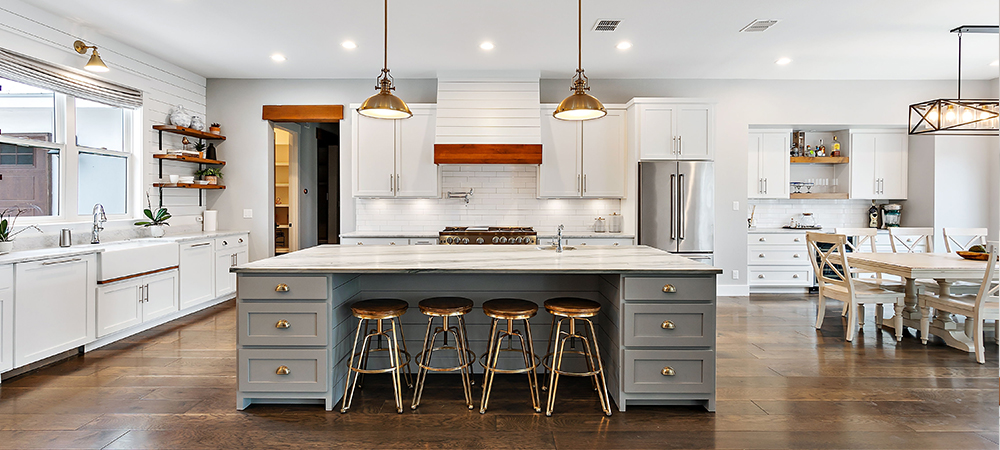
[[306, 177]]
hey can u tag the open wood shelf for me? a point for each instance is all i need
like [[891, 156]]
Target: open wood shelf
[[190, 132], [188, 186], [191, 159], [820, 159], [822, 195]]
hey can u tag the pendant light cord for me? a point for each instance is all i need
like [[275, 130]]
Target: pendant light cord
[[579, 34], [385, 38], [959, 65]]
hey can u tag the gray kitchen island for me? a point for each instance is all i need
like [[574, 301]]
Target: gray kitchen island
[[656, 327]]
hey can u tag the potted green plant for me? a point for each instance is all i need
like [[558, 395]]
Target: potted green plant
[[7, 218], [210, 174], [200, 148], [157, 218]]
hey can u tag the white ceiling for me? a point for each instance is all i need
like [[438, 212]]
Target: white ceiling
[[827, 39]]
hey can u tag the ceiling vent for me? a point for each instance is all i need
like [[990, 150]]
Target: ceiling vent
[[606, 25], [758, 26]]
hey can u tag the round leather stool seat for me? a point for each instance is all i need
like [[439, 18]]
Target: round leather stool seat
[[379, 308], [445, 306], [510, 308], [572, 307]]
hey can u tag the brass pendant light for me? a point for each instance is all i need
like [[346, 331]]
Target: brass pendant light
[[580, 105], [384, 105]]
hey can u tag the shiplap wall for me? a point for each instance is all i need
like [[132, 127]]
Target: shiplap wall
[[32, 31], [488, 111]]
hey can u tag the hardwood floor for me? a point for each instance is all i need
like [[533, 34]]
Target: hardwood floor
[[782, 384]]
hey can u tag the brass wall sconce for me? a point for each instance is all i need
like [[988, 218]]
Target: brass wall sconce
[[95, 64]]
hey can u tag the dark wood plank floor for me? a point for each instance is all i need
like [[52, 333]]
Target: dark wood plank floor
[[782, 384]]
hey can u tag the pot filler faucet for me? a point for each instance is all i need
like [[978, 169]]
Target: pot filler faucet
[[99, 218]]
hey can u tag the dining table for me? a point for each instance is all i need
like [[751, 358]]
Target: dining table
[[944, 268]]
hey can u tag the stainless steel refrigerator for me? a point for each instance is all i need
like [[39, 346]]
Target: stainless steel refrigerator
[[677, 207]]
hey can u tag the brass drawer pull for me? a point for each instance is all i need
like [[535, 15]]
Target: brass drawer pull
[[669, 289], [282, 324], [281, 288], [667, 325], [283, 370], [667, 371]]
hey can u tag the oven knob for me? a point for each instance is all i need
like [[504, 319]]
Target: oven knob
[[480, 240], [448, 240], [517, 240], [495, 240], [503, 239], [465, 240]]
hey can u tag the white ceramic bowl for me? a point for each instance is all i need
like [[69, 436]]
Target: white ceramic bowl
[[175, 178]]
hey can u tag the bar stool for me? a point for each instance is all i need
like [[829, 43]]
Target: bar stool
[[509, 309], [377, 309], [445, 307], [571, 309]]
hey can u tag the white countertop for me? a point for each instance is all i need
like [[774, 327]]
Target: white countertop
[[477, 259], [21, 256], [789, 230], [434, 234]]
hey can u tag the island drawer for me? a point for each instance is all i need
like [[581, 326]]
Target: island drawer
[[785, 239], [281, 370], [778, 257], [660, 325], [284, 323], [280, 287], [669, 371], [670, 288]]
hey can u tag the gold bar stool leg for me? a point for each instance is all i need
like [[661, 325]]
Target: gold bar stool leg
[[444, 308], [377, 310], [487, 373], [421, 362], [572, 309], [396, 369], [548, 349], [348, 391], [463, 359], [509, 310], [602, 386]]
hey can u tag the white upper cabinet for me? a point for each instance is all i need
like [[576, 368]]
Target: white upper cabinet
[[395, 158], [878, 165], [768, 164], [582, 159], [679, 131]]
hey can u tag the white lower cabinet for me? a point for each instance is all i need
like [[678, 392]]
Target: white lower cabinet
[[197, 271], [6, 317], [229, 252], [57, 308], [130, 302], [778, 260]]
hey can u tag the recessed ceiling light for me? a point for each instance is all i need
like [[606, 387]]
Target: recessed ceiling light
[[624, 45], [486, 45], [277, 57], [350, 45], [783, 61], [995, 63]]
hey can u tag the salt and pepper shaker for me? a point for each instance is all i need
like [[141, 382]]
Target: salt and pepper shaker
[[65, 238]]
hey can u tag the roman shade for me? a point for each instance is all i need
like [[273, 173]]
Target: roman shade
[[25, 69]]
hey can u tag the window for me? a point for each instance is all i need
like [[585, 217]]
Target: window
[[35, 162]]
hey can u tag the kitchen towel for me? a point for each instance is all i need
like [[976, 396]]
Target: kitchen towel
[[211, 220]]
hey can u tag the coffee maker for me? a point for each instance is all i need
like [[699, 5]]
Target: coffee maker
[[891, 215]]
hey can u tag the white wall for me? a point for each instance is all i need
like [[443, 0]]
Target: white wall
[[31, 31]]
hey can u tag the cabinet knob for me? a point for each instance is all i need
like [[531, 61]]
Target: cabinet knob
[[795, 255], [283, 370], [667, 325], [797, 240], [795, 276], [760, 255], [241, 240], [281, 288], [668, 371], [669, 289], [282, 324], [392, 243], [225, 242], [760, 276], [615, 244], [762, 240], [361, 243]]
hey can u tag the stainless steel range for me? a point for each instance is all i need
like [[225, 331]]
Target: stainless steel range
[[487, 236]]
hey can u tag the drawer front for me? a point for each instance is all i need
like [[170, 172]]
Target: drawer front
[[423, 241], [757, 255], [306, 370], [778, 277], [230, 242], [599, 241], [670, 371], [684, 289], [661, 325], [777, 239], [375, 241], [280, 287], [284, 323]]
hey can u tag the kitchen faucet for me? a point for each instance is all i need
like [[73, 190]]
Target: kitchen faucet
[[99, 218], [559, 247]]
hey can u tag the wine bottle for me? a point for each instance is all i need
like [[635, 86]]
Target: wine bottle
[[873, 216]]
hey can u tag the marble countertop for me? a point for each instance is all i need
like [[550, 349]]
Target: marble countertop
[[21, 256], [789, 230], [477, 259], [434, 234]]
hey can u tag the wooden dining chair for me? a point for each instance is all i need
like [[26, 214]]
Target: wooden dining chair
[[985, 305], [862, 240], [954, 238], [828, 252], [908, 239]]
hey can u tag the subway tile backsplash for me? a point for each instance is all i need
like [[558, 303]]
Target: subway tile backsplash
[[503, 195], [828, 213]]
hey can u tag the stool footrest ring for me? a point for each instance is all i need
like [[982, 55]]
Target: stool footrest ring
[[386, 370], [534, 365], [469, 354]]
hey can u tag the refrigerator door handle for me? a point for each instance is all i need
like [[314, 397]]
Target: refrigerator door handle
[[673, 197], [680, 208]]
